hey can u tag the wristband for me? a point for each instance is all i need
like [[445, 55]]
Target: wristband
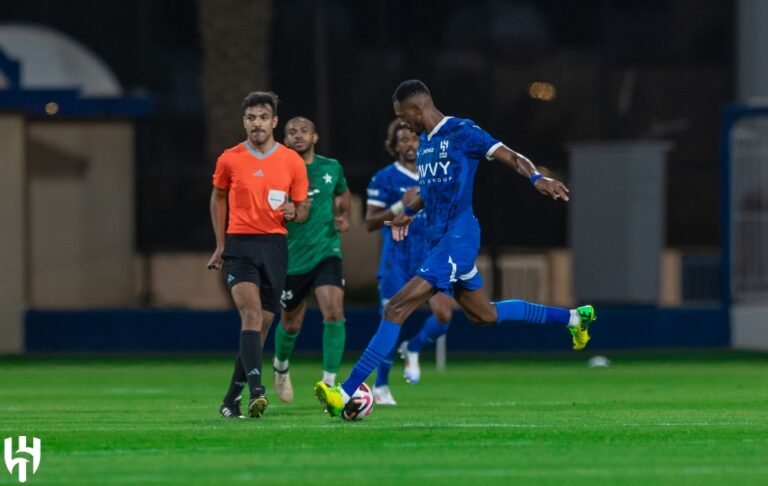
[[409, 212], [535, 177], [396, 208]]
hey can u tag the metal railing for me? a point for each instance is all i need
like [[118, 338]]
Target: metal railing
[[749, 209]]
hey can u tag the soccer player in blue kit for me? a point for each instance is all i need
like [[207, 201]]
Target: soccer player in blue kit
[[449, 151], [389, 191]]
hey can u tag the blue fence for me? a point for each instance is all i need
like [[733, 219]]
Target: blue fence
[[180, 330]]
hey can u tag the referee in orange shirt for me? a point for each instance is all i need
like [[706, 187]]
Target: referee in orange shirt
[[260, 184]]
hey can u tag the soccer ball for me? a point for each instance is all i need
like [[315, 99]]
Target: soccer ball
[[599, 362], [360, 405]]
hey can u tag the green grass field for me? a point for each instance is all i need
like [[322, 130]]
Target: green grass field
[[696, 419]]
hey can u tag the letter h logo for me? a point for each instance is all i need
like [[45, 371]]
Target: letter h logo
[[21, 462]]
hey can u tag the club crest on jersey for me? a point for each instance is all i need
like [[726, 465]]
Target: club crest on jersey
[[443, 149]]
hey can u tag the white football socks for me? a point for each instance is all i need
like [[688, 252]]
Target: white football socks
[[329, 378], [575, 320], [280, 365]]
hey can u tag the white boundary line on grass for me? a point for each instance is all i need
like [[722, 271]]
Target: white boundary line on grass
[[51, 427]]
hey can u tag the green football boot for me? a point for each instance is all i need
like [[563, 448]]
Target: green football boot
[[580, 332], [330, 397]]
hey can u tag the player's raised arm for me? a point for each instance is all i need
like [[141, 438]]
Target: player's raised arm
[[545, 185]]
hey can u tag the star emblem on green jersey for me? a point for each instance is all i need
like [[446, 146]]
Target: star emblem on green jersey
[[327, 178]]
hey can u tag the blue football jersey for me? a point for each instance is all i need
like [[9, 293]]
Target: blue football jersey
[[447, 163], [386, 188]]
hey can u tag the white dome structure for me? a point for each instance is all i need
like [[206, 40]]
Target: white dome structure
[[51, 60]]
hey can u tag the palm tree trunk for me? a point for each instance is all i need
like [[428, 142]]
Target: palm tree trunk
[[235, 37]]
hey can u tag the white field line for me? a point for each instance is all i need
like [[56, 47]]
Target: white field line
[[617, 471], [264, 428]]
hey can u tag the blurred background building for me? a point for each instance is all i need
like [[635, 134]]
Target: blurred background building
[[112, 127]]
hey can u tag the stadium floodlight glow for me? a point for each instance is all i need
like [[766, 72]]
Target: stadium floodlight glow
[[541, 90], [51, 108]]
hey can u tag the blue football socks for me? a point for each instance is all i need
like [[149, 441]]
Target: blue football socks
[[430, 331], [378, 349], [382, 373], [526, 312]]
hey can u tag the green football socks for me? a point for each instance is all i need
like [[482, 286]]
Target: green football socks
[[334, 337], [284, 343]]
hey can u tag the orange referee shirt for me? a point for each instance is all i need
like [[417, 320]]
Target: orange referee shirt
[[258, 185]]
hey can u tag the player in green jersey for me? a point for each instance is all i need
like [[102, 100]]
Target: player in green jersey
[[314, 259]]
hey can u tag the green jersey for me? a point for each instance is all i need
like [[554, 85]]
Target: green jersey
[[316, 238]]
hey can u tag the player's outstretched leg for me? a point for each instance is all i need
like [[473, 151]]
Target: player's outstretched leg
[[381, 392], [577, 320], [334, 398], [397, 310]]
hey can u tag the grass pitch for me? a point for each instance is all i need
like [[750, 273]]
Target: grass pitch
[[697, 419]]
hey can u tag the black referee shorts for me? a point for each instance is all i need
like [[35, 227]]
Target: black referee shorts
[[327, 272], [259, 259]]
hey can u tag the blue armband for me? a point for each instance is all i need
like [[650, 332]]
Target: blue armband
[[535, 177], [409, 212]]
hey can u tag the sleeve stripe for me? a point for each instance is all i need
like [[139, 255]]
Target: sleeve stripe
[[489, 154], [378, 204]]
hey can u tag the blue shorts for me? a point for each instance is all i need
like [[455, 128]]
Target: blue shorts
[[451, 264]]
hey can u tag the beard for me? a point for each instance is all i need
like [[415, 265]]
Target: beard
[[303, 150]]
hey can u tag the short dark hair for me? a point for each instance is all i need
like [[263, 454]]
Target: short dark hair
[[304, 119], [256, 98], [409, 88]]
